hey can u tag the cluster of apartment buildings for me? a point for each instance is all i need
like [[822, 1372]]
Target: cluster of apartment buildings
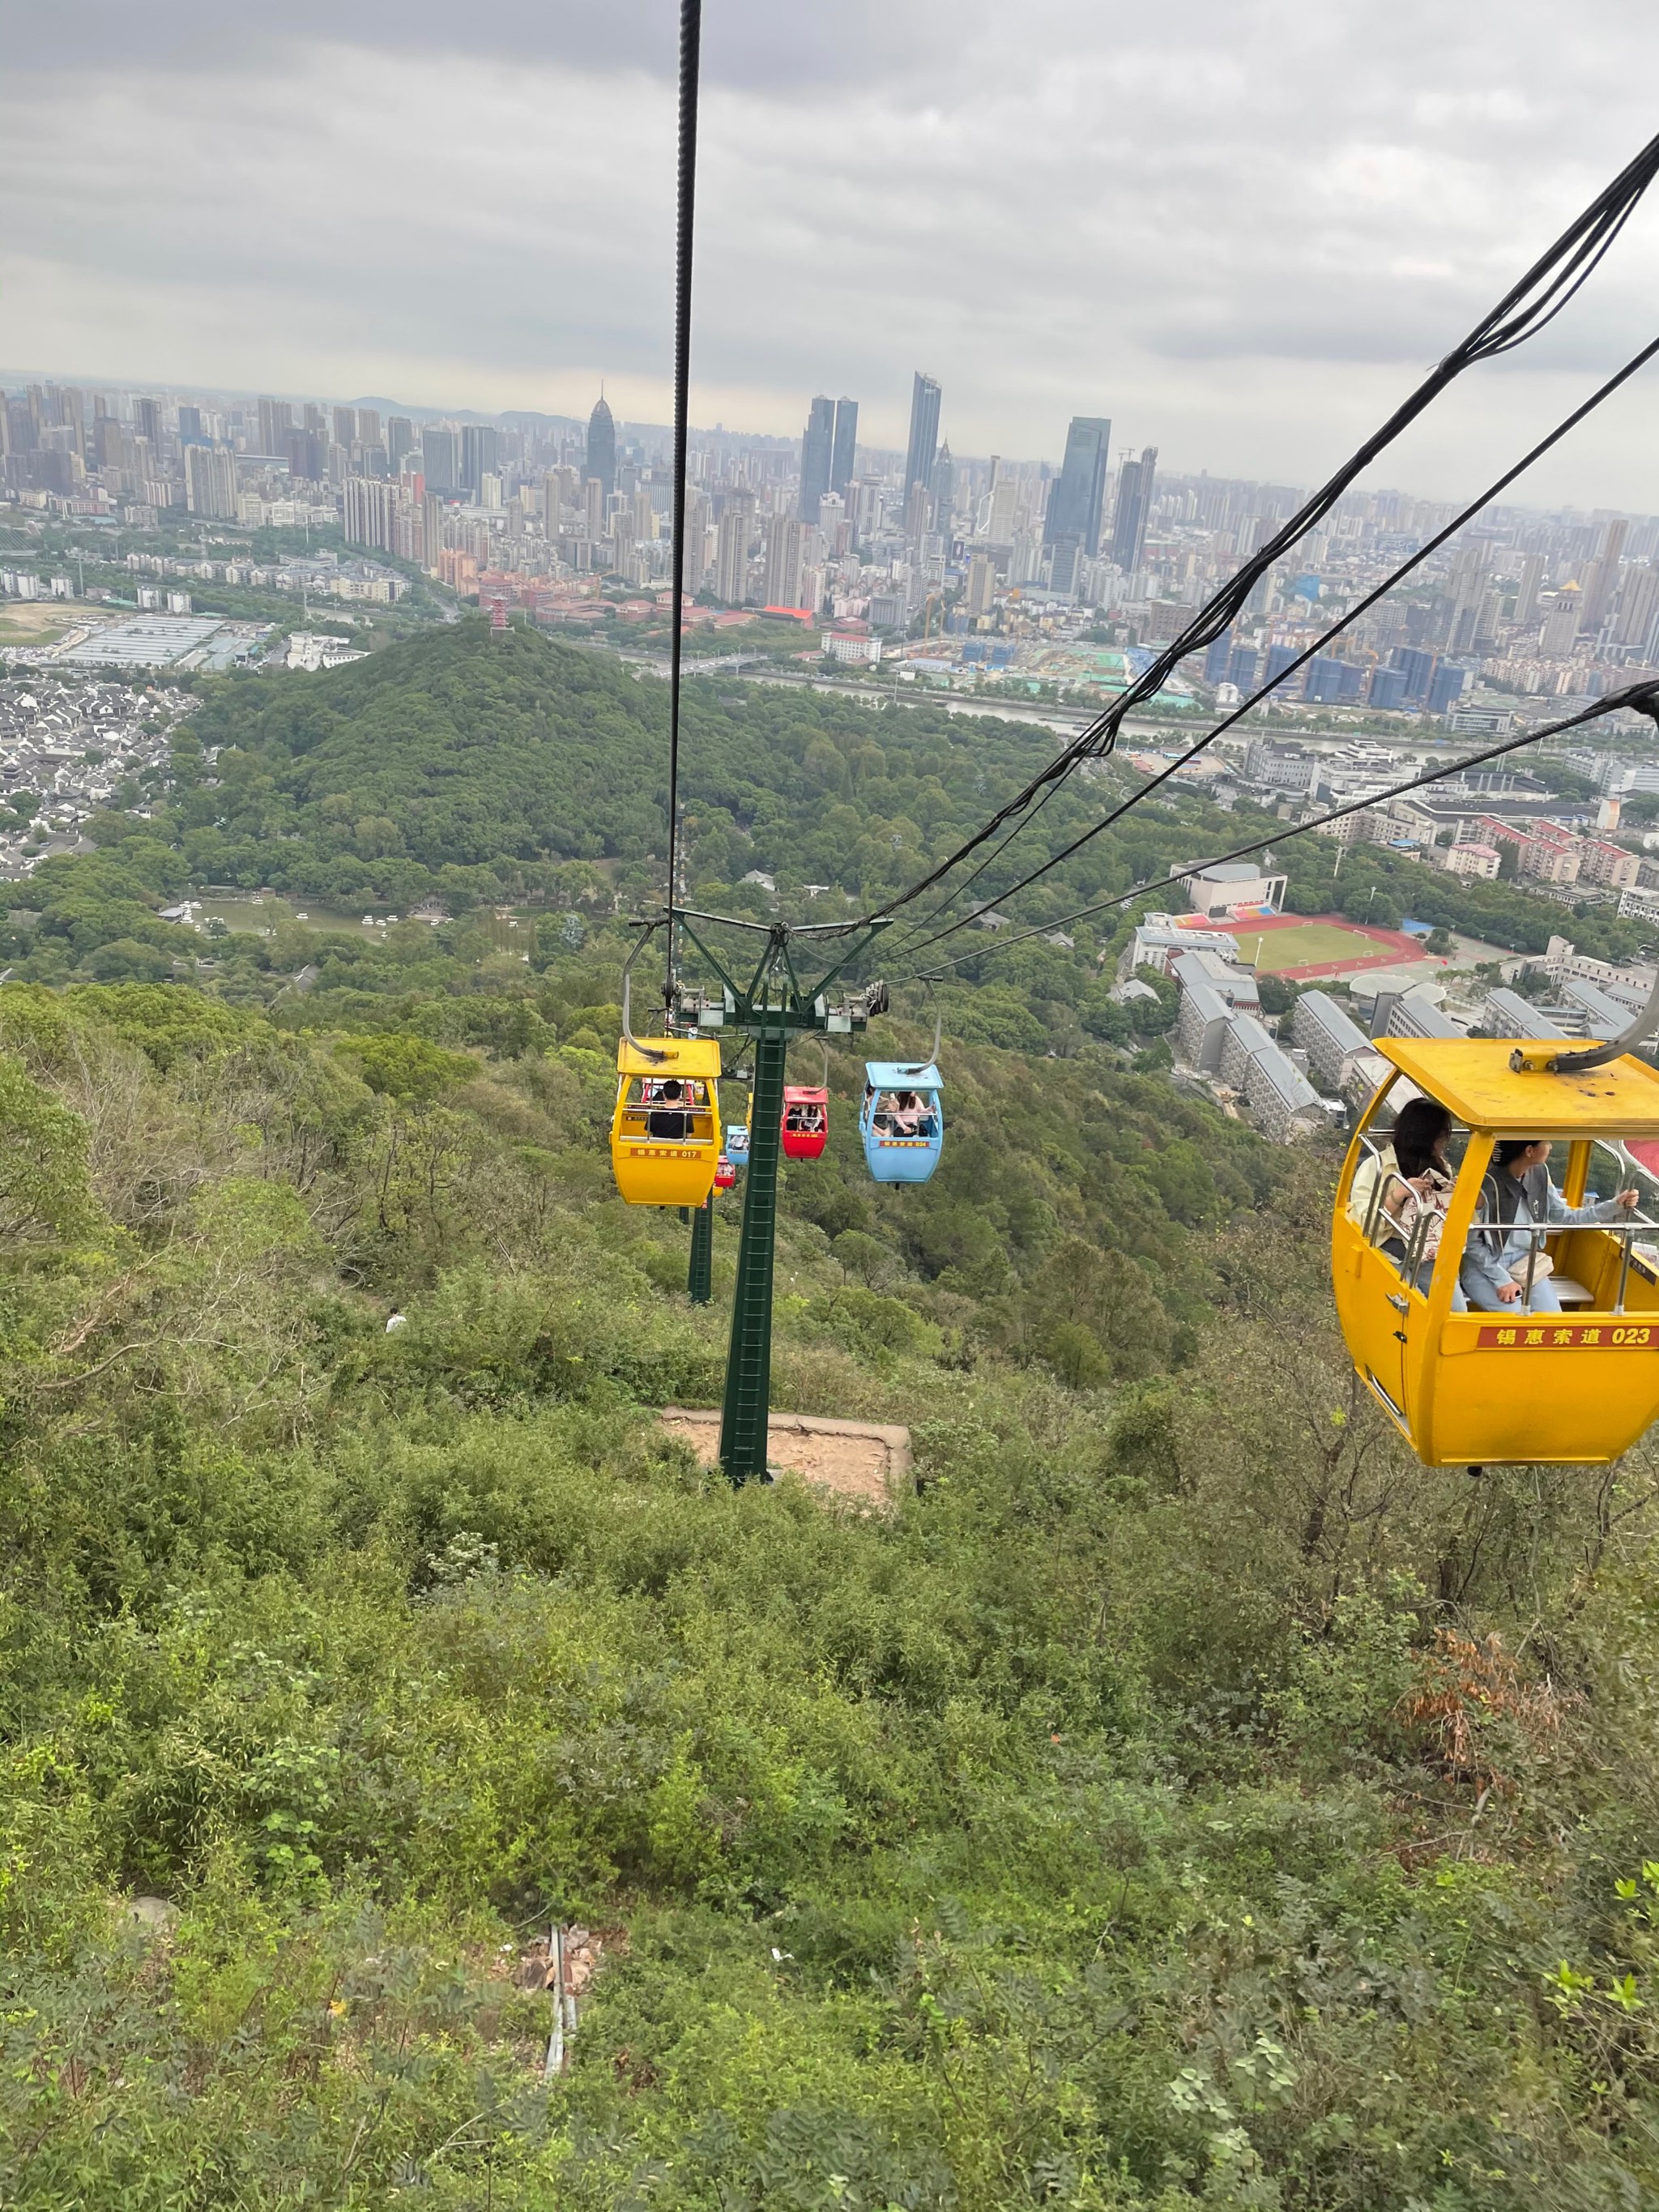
[[1322, 1063]]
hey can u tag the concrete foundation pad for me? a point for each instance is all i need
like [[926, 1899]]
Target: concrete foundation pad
[[866, 1461]]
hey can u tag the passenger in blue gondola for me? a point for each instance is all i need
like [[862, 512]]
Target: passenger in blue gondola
[[900, 1114], [914, 1115], [1506, 1265]]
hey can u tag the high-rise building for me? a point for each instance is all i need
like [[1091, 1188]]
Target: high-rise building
[[368, 426], [816, 456], [345, 426], [699, 512], [981, 584], [304, 449], [1563, 620], [400, 441], [1080, 492], [441, 450], [731, 555], [147, 421], [1135, 505], [1465, 594], [843, 458], [602, 447], [1065, 555], [190, 425], [275, 420], [1417, 667], [942, 485], [923, 449], [1526, 596], [1638, 611], [783, 562], [210, 480], [1601, 578], [480, 446], [1004, 495], [368, 511]]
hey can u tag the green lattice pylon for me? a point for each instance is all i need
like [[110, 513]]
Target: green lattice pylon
[[700, 1269], [749, 1359]]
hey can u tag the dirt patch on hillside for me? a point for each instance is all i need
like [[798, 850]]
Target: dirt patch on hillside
[[868, 1462]]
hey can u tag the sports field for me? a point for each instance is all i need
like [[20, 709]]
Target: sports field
[[1297, 944]]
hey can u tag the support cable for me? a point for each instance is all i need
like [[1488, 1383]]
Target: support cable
[[1363, 606], [1643, 697], [690, 50], [1529, 305]]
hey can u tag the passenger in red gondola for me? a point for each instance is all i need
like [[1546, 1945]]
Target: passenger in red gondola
[[806, 1120]]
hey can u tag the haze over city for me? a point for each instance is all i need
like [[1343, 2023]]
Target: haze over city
[[1239, 232]]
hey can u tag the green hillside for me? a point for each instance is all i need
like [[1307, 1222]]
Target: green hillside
[[1181, 1799]]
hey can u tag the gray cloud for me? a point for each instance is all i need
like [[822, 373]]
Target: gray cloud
[[1240, 228]]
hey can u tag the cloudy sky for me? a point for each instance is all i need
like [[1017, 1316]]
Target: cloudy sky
[[1242, 228]]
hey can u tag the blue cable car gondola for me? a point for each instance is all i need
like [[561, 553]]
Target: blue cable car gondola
[[902, 1120]]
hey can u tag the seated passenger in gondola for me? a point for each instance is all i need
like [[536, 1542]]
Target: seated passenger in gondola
[[804, 1120], [1518, 1197], [668, 1118]]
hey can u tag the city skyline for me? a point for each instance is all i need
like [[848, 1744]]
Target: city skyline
[[357, 204]]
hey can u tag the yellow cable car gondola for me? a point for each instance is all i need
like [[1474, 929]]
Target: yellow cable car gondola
[[666, 1131], [1557, 1363]]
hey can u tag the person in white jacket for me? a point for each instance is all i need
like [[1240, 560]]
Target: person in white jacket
[[1518, 1196]]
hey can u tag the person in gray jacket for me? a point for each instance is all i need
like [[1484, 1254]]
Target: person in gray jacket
[[1518, 1194]]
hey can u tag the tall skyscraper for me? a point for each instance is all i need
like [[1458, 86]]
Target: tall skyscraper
[[1004, 500], [923, 449], [942, 483], [783, 562], [731, 555], [602, 447], [275, 420], [210, 480], [190, 425], [345, 426], [368, 426], [480, 454], [400, 441], [1638, 609], [1075, 504], [816, 454], [1526, 595], [147, 421], [844, 458], [1601, 579], [304, 450], [441, 450], [1134, 504]]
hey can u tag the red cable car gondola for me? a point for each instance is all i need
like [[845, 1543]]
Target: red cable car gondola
[[806, 1128], [726, 1173], [805, 1122]]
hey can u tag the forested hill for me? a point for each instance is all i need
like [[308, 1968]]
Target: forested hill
[[477, 767]]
